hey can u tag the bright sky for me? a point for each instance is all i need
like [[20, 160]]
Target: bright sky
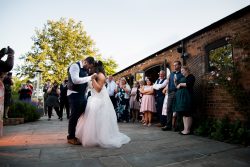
[[126, 30]]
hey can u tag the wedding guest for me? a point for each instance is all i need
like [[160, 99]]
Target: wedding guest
[[119, 107], [45, 96], [111, 86], [30, 87], [7, 93], [141, 84], [64, 102], [148, 102], [158, 86], [24, 93], [174, 76], [165, 104], [134, 104], [184, 99], [53, 100], [123, 94]]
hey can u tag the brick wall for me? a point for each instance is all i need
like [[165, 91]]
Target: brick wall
[[212, 101]]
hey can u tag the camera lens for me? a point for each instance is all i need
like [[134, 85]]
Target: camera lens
[[5, 50]]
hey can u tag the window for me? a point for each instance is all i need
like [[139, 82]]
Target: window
[[139, 76], [219, 56]]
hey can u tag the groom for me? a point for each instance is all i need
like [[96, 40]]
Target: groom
[[77, 84]]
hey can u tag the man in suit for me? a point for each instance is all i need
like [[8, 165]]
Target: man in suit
[[77, 83]]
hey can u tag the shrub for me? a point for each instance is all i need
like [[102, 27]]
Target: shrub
[[204, 128], [24, 110], [224, 130]]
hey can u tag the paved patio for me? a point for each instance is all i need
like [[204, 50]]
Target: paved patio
[[43, 143]]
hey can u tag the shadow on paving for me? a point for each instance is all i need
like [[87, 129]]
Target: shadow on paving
[[43, 143]]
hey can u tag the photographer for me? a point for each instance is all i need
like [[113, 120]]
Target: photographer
[[6, 66], [64, 102], [7, 93], [53, 100]]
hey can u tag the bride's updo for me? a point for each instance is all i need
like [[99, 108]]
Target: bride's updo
[[99, 67]]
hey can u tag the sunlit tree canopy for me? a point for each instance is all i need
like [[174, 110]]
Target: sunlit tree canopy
[[56, 46]]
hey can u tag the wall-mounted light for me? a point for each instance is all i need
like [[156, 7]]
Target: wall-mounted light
[[180, 49], [184, 55]]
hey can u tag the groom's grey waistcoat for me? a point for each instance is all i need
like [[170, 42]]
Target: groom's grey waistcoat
[[80, 88]]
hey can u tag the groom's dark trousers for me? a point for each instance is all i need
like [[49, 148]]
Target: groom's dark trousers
[[77, 104]]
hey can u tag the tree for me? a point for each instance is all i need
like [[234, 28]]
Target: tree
[[55, 47], [109, 64]]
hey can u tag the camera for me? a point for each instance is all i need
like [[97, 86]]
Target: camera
[[6, 50]]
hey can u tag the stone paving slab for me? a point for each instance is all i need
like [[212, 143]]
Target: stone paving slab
[[70, 163], [168, 156], [43, 143]]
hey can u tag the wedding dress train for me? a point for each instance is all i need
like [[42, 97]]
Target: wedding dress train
[[98, 125]]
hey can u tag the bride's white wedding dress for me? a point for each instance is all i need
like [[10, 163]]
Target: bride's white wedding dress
[[98, 125]]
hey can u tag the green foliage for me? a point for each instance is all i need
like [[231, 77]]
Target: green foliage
[[16, 86], [223, 130], [20, 109], [204, 128], [17, 83], [109, 64], [221, 59], [226, 73], [55, 47], [220, 130]]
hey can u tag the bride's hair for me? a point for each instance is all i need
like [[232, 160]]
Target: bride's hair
[[99, 67]]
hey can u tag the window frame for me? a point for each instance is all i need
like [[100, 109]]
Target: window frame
[[212, 46]]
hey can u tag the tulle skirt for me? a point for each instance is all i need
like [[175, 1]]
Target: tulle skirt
[[98, 125]]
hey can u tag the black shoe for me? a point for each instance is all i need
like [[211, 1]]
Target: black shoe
[[61, 119], [166, 128]]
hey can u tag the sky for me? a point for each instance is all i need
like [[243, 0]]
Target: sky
[[126, 30]]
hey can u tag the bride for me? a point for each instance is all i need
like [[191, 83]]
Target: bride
[[98, 125]]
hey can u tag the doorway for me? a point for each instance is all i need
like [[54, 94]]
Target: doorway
[[153, 73]]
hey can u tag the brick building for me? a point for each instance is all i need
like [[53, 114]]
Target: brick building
[[232, 33]]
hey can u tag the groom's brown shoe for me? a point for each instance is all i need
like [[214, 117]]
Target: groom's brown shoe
[[74, 141]]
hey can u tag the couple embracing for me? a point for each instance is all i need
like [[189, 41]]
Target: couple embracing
[[92, 122]]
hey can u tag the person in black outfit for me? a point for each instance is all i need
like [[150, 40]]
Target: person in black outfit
[[45, 96], [7, 93], [64, 102], [184, 104], [77, 83], [53, 100], [7, 65]]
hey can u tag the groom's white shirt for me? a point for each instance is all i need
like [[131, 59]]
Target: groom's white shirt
[[74, 73]]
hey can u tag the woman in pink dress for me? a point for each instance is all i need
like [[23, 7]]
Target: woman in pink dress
[[148, 102]]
